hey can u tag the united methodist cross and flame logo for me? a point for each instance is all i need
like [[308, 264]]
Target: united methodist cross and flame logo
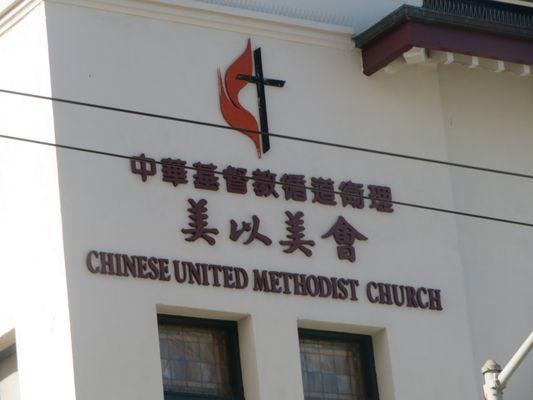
[[238, 75]]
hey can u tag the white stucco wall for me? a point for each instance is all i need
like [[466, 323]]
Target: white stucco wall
[[106, 58], [33, 298], [489, 122], [163, 59]]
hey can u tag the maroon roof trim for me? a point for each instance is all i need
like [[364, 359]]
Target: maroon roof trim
[[385, 49]]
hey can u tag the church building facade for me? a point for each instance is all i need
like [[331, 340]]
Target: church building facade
[[264, 199]]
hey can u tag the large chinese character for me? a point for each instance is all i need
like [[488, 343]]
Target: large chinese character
[[174, 171], [264, 183], [143, 166], [296, 235], [323, 190], [345, 236], [352, 194], [205, 177], [294, 187], [198, 216], [380, 197], [253, 228], [236, 180]]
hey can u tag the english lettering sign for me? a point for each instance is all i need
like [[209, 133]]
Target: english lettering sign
[[265, 281]]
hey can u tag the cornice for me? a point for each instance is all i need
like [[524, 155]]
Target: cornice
[[227, 18], [11, 12], [408, 13], [286, 11]]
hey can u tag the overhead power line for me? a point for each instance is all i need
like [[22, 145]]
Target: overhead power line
[[400, 203], [276, 135]]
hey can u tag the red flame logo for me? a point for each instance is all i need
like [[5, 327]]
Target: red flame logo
[[232, 110]]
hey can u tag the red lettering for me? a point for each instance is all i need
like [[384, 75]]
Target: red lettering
[[313, 289], [227, 272], [395, 295], [324, 285], [261, 281], [385, 295], [179, 279], [203, 270], [154, 268], [274, 282], [286, 286], [92, 254], [129, 265], [164, 273], [299, 285], [341, 285], [353, 288], [411, 296], [106, 262], [435, 302], [215, 269], [369, 295], [141, 267], [241, 278], [118, 265]]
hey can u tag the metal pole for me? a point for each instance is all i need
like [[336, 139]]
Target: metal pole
[[515, 362], [491, 388], [496, 379]]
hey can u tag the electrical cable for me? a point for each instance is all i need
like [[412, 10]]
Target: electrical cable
[[275, 135], [400, 203]]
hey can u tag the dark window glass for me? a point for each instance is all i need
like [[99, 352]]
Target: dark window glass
[[337, 366], [199, 357]]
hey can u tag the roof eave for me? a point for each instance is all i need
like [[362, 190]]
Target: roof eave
[[411, 26]]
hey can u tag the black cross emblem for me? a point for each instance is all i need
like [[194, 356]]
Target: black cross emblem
[[261, 82]]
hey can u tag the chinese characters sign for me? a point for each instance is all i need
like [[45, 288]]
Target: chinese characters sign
[[294, 187], [205, 176], [341, 232]]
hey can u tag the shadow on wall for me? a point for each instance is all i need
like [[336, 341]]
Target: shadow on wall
[[9, 377]]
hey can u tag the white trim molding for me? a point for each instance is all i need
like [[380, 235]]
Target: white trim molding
[[11, 12], [286, 11], [202, 13]]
